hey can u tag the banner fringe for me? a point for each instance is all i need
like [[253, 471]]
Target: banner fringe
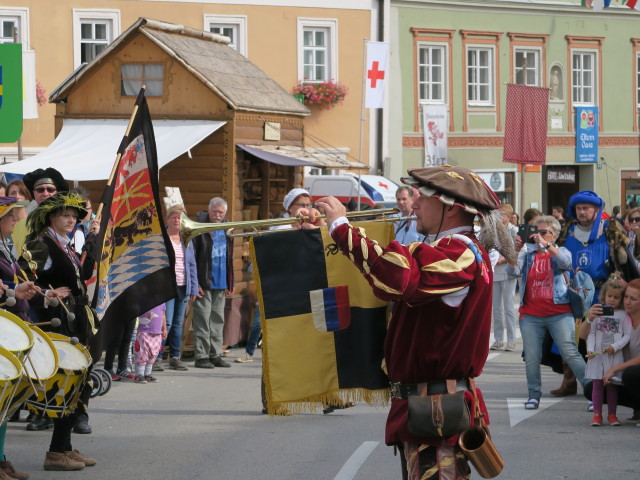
[[339, 398]]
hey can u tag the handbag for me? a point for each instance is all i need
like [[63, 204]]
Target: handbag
[[580, 290], [476, 444], [440, 415]]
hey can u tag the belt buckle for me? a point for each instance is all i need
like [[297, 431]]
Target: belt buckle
[[395, 389]]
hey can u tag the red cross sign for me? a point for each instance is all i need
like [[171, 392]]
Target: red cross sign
[[374, 74]]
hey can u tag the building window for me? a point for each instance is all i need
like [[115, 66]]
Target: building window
[[432, 68], [480, 76], [95, 36], [232, 26], [7, 27], [527, 67], [93, 32], [14, 19], [317, 50], [583, 78], [134, 75]]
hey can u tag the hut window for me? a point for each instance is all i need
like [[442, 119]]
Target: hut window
[[134, 75]]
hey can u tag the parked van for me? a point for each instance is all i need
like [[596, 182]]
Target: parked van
[[374, 188]]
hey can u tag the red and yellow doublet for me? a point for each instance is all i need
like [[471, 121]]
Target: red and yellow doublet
[[441, 321]]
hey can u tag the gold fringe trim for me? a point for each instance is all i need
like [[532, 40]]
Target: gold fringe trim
[[376, 398]]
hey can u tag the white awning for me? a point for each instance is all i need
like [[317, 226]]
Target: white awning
[[298, 156], [86, 149]]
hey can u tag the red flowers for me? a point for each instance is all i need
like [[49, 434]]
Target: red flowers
[[41, 94], [326, 94]]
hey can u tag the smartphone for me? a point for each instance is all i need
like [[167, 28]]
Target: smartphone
[[525, 231], [607, 310]]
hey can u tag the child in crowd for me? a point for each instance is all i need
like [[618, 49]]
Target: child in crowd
[[609, 334], [152, 329]]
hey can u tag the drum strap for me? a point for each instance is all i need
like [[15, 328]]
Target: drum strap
[[92, 320]]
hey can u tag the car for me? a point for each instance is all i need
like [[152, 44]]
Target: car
[[374, 189]]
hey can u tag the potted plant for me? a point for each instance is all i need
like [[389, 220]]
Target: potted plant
[[325, 94]]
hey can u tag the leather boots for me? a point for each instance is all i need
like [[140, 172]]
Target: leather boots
[[569, 384], [61, 462]]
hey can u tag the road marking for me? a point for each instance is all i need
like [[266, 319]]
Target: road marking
[[517, 412], [351, 467]]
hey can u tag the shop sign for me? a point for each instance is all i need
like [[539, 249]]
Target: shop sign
[[564, 175], [586, 134], [494, 179]]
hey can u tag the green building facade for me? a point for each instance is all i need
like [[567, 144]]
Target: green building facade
[[461, 54]]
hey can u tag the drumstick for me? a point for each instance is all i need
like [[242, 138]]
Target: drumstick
[[55, 322], [70, 316], [11, 301], [53, 301]]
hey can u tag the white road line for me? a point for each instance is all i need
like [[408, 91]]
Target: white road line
[[518, 413], [351, 467]]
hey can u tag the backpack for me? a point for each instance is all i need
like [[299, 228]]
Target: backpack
[[581, 290]]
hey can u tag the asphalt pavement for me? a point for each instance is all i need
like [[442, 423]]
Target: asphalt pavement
[[206, 424]]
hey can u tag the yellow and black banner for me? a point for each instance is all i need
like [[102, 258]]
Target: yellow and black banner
[[323, 329]]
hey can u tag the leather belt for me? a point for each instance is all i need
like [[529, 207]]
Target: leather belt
[[404, 390]]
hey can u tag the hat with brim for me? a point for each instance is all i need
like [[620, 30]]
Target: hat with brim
[[9, 203], [48, 176], [38, 219], [454, 186]]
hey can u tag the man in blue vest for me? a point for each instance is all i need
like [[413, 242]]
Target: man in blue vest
[[586, 240]]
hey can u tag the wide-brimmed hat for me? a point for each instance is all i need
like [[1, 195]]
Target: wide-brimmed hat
[[292, 195], [38, 219], [9, 203], [46, 176], [454, 186]]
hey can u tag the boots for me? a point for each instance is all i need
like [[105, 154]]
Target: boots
[[61, 462], [11, 472], [78, 457], [569, 384]]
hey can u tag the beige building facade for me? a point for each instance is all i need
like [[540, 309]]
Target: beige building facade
[[287, 39]]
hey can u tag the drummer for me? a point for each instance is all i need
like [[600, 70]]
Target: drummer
[[58, 265], [23, 292]]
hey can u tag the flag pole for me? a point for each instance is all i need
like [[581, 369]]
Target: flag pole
[[362, 114]]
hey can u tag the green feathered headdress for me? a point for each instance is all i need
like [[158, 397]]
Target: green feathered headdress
[[38, 219]]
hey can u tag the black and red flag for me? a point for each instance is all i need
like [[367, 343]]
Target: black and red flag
[[136, 268]]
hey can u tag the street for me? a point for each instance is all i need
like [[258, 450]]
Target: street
[[203, 424]]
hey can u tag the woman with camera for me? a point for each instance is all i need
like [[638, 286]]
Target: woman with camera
[[544, 303]]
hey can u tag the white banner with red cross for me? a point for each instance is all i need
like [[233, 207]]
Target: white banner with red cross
[[376, 73]]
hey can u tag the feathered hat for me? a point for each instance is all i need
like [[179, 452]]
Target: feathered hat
[[38, 219]]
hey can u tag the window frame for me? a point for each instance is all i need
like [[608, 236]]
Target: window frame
[[444, 47], [92, 15], [538, 70], [331, 24], [491, 102], [144, 80], [238, 21], [22, 17], [594, 73]]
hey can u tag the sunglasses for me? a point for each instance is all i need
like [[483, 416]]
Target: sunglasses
[[544, 232], [46, 189], [634, 219]]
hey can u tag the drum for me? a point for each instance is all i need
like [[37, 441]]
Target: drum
[[39, 366], [60, 394], [15, 335], [10, 375]]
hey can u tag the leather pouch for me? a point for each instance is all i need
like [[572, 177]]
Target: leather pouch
[[440, 415]]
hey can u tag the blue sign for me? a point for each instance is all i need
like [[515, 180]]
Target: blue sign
[[586, 134]]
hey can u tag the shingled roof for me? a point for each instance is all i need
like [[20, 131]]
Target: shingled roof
[[208, 56]]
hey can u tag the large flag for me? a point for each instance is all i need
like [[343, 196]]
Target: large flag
[[323, 329], [136, 270], [377, 74], [633, 4], [10, 92], [525, 131], [435, 126]]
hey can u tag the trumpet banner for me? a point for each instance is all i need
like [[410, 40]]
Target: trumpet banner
[[323, 329]]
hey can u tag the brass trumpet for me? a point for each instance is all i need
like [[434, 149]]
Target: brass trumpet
[[190, 229]]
